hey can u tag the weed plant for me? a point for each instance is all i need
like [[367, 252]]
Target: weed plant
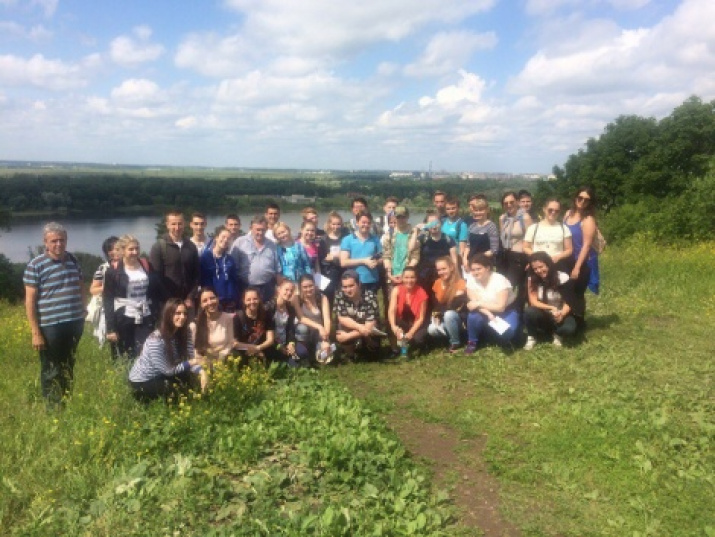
[[265, 453], [611, 435]]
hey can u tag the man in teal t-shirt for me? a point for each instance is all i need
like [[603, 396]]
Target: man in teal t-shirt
[[453, 226], [396, 254]]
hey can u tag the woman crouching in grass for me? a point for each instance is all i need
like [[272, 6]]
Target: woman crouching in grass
[[407, 313], [450, 298], [551, 312], [164, 367], [492, 313], [212, 333]]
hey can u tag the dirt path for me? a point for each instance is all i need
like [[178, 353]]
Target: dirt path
[[459, 466]]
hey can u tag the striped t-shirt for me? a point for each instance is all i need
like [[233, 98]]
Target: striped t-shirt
[[154, 363], [59, 286]]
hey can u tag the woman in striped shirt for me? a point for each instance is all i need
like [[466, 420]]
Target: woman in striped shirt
[[166, 363]]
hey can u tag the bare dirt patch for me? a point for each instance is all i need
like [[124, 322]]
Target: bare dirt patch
[[459, 466]]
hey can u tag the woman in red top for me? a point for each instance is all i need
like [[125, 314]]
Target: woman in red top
[[408, 310]]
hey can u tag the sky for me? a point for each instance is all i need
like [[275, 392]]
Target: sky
[[466, 85]]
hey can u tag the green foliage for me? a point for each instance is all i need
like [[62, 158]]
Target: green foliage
[[11, 286], [265, 453], [613, 435], [650, 176]]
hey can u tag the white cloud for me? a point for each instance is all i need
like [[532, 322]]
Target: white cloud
[[45, 73], [187, 122], [453, 107], [448, 51], [137, 90], [48, 6], [322, 32], [132, 51], [545, 7], [34, 33]]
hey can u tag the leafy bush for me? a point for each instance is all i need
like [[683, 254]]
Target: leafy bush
[[11, 287]]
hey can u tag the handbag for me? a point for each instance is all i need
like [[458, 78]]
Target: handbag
[[599, 242], [94, 310]]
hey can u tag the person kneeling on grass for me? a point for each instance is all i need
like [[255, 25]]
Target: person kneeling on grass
[[284, 319], [492, 314], [357, 312], [253, 327], [212, 333], [450, 298], [166, 363], [408, 310], [551, 311]]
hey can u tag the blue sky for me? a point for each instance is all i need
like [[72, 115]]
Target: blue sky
[[470, 85]]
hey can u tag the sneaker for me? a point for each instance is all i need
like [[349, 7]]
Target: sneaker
[[530, 343], [453, 348], [557, 341], [471, 348]]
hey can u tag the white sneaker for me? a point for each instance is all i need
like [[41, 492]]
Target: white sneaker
[[557, 341], [530, 343]]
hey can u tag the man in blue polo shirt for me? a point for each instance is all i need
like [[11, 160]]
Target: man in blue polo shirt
[[54, 304], [362, 251]]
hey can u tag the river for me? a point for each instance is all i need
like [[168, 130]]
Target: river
[[87, 234]]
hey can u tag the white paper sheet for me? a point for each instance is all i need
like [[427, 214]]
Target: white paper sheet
[[321, 281], [499, 325]]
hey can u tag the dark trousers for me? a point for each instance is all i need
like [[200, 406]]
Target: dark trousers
[[513, 267], [131, 336], [57, 359], [420, 335], [267, 291], [161, 387], [540, 322]]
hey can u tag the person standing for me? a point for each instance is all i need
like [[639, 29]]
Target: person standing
[[54, 304], [439, 199], [132, 294], [219, 271], [257, 259], [395, 248], [432, 245], [198, 230], [176, 260], [233, 224], [454, 226], [273, 216], [362, 251]]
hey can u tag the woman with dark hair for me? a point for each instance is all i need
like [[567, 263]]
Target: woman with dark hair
[[253, 326], [212, 331], [313, 328], [492, 313], [551, 236], [165, 364], [553, 307], [284, 319], [219, 270], [450, 298], [513, 224], [132, 294], [407, 312], [581, 220]]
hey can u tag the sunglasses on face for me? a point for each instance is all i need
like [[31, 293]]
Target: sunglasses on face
[[583, 199], [552, 211]]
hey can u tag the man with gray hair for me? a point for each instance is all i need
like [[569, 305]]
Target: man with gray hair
[[257, 259], [54, 304]]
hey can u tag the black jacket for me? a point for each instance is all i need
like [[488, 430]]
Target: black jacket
[[116, 282], [178, 268]]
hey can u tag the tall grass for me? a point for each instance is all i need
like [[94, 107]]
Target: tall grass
[[266, 453]]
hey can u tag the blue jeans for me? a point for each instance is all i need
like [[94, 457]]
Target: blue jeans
[[452, 324], [478, 326], [57, 359]]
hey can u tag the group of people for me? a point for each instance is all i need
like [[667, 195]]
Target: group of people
[[280, 295]]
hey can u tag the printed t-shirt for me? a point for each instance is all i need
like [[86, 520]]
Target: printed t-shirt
[[490, 292], [549, 238]]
